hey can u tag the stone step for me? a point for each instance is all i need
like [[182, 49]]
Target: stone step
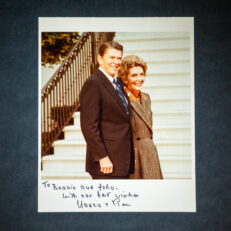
[[171, 118], [157, 44], [161, 55], [70, 147], [179, 117], [73, 133], [76, 128], [166, 97], [165, 147], [161, 117], [63, 163], [185, 157], [164, 100], [72, 175], [174, 67], [172, 133], [140, 36], [74, 168], [160, 132], [76, 117], [167, 80], [176, 175], [173, 147], [66, 168], [80, 175], [179, 92], [178, 167], [173, 104]]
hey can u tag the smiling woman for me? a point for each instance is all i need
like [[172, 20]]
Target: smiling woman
[[135, 78], [132, 72], [147, 166]]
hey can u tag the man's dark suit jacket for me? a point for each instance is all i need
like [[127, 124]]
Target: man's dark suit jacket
[[106, 126]]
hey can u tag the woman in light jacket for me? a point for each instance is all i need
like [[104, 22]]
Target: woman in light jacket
[[132, 72]]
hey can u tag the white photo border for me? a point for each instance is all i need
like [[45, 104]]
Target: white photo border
[[154, 195]]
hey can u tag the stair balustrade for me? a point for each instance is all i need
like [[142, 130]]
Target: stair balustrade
[[60, 96]]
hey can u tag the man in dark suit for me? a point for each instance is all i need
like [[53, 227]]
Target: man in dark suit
[[105, 118]]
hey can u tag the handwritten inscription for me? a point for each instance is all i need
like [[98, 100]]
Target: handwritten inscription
[[92, 196]]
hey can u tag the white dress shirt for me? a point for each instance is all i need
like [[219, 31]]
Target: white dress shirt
[[110, 78]]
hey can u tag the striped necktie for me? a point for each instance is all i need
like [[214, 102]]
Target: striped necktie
[[120, 92]]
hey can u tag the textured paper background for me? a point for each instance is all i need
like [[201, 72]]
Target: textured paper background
[[18, 103]]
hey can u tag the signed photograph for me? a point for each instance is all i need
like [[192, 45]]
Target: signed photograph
[[116, 115]]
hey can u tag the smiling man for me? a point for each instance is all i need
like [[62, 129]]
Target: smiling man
[[105, 118]]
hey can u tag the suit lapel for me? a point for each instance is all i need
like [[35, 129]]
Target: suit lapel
[[111, 90], [142, 110]]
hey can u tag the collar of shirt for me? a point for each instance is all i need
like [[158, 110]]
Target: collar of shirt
[[110, 78], [133, 97]]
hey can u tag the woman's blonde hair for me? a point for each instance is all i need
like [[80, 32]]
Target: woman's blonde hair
[[129, 62]]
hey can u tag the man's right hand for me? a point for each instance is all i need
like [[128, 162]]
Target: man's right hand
[[106, 165]]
